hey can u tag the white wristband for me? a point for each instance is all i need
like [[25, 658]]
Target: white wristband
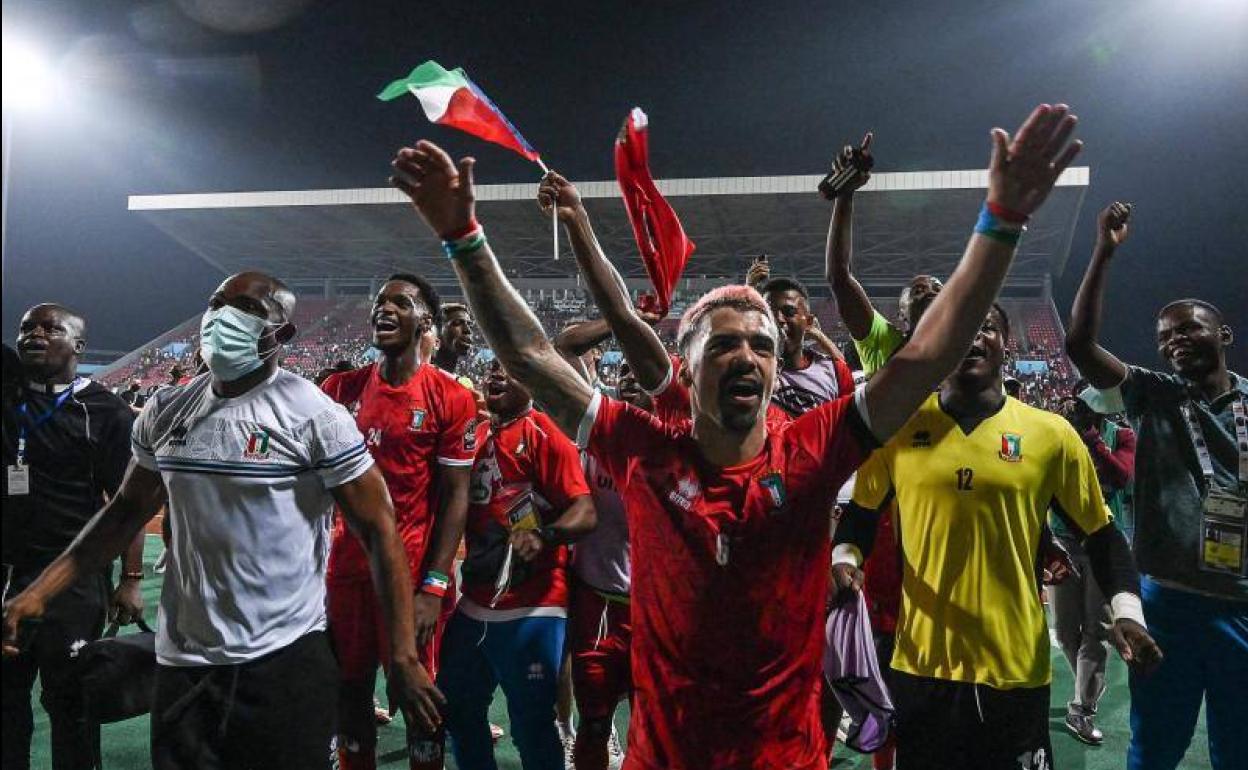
[[1127, 606]]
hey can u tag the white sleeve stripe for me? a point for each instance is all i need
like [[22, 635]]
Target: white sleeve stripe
[[588, 419], [667, 381], [860, 403], [458, 463]]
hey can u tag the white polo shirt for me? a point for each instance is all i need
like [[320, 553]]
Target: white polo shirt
[[249, 482]]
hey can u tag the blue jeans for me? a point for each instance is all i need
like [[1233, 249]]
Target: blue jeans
[[1205, 644], [523, 656]]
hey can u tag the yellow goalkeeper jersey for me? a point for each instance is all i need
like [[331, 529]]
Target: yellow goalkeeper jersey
[[970, 512]]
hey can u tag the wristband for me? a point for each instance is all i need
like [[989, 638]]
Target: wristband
[[435, 583], [1006, 215], [992, 226], [468, 243], [132, 575], [462, 232]]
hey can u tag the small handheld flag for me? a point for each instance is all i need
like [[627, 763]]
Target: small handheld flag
[[449, 98]]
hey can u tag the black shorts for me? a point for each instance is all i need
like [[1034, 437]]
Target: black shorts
[[278, 711], [943, 724]]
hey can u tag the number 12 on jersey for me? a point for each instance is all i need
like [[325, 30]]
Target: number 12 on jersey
[[965, 476]]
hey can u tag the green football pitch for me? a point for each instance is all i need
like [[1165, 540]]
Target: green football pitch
[[124, 744]]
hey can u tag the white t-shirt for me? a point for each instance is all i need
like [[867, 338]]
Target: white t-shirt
[[249, 482]]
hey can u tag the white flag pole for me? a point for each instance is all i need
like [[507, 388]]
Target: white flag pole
[[554, 211]]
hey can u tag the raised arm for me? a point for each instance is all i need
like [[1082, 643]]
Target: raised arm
[[851, 299], [443, 196], [1101, 368], [638, 341], [107, 534], [1022, 172]]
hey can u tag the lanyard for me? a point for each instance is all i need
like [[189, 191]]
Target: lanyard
[[1202, 448], [40, 420]]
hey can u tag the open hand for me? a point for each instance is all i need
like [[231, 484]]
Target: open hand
[[409, 688], [759, 272], [554, 190], [1113, 224], [441, 193], [1135, 645], [1024, 169]]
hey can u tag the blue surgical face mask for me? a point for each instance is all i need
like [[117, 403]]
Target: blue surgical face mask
[[229, 342]]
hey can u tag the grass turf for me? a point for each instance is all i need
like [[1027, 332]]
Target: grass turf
[[124, 744]]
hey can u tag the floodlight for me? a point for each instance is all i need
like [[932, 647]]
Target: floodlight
[[27, 76]]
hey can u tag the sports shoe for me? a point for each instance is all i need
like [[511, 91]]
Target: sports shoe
[[496, 732], [615, 752], [1083, 729], [842, 729]]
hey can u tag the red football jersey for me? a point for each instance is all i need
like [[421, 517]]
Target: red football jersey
[[431, 419], [882, 584], [525, 475], [730, 579]]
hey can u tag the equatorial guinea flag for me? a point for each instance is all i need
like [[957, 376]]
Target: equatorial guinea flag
[[451, 99]]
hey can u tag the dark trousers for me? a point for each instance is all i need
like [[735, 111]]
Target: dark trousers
[[71, 620], [278, 711], [943, 725]]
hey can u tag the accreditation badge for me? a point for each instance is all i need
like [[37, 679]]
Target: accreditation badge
[[18, 477], [1223, 527]]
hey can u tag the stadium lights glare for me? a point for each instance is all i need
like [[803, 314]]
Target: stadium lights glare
[[27, 76]]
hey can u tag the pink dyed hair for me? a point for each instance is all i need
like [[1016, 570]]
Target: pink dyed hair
[[736, 296]]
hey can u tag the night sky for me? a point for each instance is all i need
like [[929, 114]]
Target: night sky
[[153, 99]]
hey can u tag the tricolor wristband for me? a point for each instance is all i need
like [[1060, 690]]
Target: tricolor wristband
[[435, 583], [469, 242], [1000, 224], [463, 232]]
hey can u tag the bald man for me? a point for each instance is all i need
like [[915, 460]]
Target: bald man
[[251, 460], [66, 445]]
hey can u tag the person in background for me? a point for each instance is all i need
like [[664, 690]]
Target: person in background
[[133, 395], [1081, 614], [528, 500], [455, 340], [1189, 512], [67, 443]]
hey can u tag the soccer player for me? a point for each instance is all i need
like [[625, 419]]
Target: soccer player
[[1191, 483], [529, 500], [66, 445], [875, 337], [974, 474], [245, 673], [806, 379], [1080, 612], [455, 339], [729, 518], [420, 426]]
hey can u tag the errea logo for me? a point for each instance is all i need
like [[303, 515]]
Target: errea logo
[[921, 439], [686, 491]]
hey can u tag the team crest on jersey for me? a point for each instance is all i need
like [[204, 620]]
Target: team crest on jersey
[[685, 493], [1011, 447], [921, 440], [773, 482], [257, 445], [418, 420]]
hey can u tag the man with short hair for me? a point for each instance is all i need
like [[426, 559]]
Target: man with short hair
[[1081, 615], [67, 442], [729, 517], [974, 474], [455, 338], [529, 501], [420, 427], [246, 676], [1191, 483], [806, 378]]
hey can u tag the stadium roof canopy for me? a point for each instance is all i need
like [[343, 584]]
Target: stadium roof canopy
[[904, 223]]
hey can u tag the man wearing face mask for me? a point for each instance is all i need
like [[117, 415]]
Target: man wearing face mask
[[250, 460], [420, 426], [67, 442]]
